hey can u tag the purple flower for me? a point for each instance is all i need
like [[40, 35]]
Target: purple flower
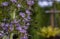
[[28, 17], [18, 5], [17, 25], [7, 25], [28, 24], [11, 28], [13, 1], [15, 21], [22, 14], [23, 31], [19, 28], [30, 2], [5, 4], [25, 37], [5, 29], [1, 35], [25, 20], [25, 27], [10, 25], [28, 12]]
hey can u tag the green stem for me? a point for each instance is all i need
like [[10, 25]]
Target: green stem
[[11, 35], [13, 14]]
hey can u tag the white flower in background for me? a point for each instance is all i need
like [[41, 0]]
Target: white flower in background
[[57, 0], [45, 3]]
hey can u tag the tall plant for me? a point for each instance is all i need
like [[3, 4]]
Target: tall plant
[[15, 16]]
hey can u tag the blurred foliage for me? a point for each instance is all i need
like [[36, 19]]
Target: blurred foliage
[[49, 31], [57, 15], [40, 19]]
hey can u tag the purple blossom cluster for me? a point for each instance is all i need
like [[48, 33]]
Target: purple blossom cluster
[[15, 24], [26, 20], [5, 4], [30, 2], [13, 1], [21, 28]]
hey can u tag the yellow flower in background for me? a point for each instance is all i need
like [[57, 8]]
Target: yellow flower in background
[[44, 30], [49, 31]]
